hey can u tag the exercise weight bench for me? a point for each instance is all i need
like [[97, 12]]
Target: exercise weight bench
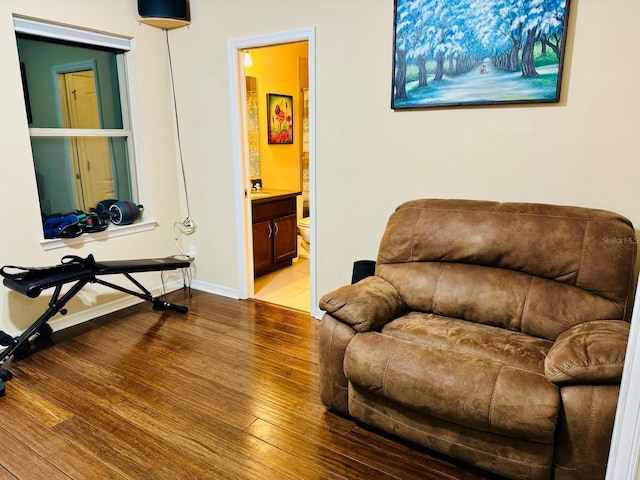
[[78, 272]]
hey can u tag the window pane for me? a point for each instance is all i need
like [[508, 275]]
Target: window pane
[[78, 172], [69, 85]]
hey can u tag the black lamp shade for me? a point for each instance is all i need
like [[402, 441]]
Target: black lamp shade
[[177, 9]]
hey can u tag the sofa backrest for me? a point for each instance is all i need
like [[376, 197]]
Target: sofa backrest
[[535, 268]]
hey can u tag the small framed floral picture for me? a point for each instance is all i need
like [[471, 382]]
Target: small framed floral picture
[[280, 120]]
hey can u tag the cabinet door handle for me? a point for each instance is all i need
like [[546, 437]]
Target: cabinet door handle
[[269, 230], [276, 225]]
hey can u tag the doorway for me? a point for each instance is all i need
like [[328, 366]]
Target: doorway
[[280, 256], [238, 89]]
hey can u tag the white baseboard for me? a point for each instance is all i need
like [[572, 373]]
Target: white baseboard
[[216, 289]]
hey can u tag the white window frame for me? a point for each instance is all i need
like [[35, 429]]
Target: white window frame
[[87, 37]]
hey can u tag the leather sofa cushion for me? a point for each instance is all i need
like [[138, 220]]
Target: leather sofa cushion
[[587, 248], [539, 269], [495, 296], [469, 389], [489, 343]]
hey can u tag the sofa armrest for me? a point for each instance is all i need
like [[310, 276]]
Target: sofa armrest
[[589, 353], [364, 306]]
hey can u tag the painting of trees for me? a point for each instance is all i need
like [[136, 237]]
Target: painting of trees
[[466, 52]]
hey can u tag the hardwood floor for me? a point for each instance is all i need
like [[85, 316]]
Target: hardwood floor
[[227, 391]]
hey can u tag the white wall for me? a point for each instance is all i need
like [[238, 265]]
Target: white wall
[[582, 151], [156, 145]]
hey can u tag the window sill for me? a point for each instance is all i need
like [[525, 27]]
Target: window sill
[[111, 232]]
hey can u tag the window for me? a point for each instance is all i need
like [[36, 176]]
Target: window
[[77, 107]]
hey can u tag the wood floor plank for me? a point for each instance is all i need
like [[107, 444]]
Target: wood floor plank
[[26, 429], [169, 382], [333, 433], [315, 453], [209, 446], [35, 405], [5, 475], [76, 463], [120, 432], [229, 390], [89, 369], [23, 463], [129, 442], [75, 381], [116, 455], [223, 369]]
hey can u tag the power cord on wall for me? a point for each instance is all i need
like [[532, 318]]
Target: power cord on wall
[[188, 274], [187, 227], [187, 224]]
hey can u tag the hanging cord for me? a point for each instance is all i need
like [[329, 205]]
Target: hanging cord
[[187, 226], [175, 238]]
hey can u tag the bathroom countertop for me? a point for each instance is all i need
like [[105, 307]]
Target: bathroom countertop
[[269, 194]]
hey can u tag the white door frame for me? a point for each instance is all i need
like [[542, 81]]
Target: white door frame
[[237, 98], [624, 454]]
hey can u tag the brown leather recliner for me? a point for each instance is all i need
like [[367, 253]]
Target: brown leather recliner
[[494, 333]]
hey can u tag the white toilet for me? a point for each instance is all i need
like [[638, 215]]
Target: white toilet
[[304, 232]]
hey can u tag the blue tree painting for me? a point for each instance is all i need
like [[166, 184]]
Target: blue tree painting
[[474, 52]]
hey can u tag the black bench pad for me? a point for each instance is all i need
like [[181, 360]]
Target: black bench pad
[[141, 265], [32, 282]]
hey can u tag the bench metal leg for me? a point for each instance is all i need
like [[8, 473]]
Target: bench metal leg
[[144, 294], [20, 345]]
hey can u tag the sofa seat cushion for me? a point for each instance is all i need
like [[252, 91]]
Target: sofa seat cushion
[[496, 344], [467, 389]]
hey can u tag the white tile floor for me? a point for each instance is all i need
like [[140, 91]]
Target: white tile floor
[[288, 286]]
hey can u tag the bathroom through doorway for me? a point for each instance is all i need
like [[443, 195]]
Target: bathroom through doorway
[[281, 65]]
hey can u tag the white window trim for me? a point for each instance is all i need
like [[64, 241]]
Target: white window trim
[[78, 132], [62, 32], [111, 232]]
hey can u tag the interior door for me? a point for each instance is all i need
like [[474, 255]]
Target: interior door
[[91, 158]]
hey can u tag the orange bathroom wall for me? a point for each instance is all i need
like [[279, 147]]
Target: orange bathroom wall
[[276, 71]]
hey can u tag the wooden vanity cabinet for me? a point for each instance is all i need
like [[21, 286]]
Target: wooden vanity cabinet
[[275, 233]]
